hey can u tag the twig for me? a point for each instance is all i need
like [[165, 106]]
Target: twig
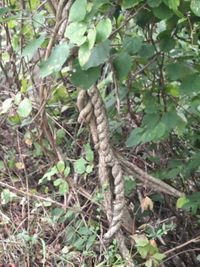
[[194, 240]]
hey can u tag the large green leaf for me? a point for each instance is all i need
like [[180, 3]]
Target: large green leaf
[[190, 84], [162, 12], [24, 108], [172, 4], [134, 138], [103, 29], [78, 11], [99, 55], [85, 78], [195, 7], [32, 47], [122, 65], [178, 70], [146, 51], [132, 44], [75, 32], [154, 3], [56, 60]]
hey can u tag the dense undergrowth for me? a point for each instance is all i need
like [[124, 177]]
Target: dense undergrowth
[[144, 58]]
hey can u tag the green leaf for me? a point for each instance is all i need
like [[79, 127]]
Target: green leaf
[[159, 256], [57, 182], [99, 55], [80, 165], [67, 171], [91, 37], [90, 242], [89, 168], [78, 11], [195, 7], [6, 105], [103, 29], [32, 47], [190, 84], [122, 64], [167, 43], [162, 12], [85, 79], [134, 138], [84, 54], [172, 4], [57, 58], [140, 240], [146, 51], [1, 165], [24, 108], [75, 32], [132, 44], [7, 196], [154, 3], [89, 154], [178, 70], [60, 166], [149, 263], [63, 187], [181, 201], [130, 3]]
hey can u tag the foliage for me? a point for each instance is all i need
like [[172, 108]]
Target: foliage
[[144, 58]]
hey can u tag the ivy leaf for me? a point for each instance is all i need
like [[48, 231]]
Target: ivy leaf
[[32, 47], [99, 55], [57, 58], [78, 10], [122, 65], [195, 7], [24, 108], [75, 32], [103, 29]]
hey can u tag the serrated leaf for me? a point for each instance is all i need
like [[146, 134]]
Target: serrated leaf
[[75, 32], [80, 166], [32, 47], [99, 55], [24, 108], [78, 10], [103, 30], [122, 64], [195, 7], [57, 58]]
